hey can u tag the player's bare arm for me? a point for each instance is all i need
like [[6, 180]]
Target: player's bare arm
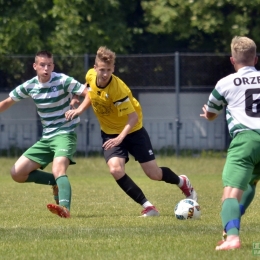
[[70, 114], [5, 104], [132, 121], [74, 103], [208, 115]]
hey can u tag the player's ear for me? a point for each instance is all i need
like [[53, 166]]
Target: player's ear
[[256, 60], [34, 66], [232, 60]]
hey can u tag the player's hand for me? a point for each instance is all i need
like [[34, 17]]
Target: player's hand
[[112, 143], [204, 109], [70, 114], [208, 115]]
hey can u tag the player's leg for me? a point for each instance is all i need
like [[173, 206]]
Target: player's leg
[[116, 158], [64, 147], [117, 169], [26, 167], [244, 151], [230, 215], [247, 197], [249, 193], [140, 147]]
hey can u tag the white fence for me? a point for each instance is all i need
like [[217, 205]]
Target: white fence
[[19, 126]]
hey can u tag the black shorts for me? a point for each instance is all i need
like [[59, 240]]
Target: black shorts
[[138, 144]]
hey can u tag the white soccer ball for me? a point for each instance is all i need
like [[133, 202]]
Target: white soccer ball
[[187, 209]]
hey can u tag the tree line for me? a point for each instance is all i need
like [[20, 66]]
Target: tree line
[[71, 27]]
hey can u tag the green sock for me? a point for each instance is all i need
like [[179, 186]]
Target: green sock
[[230, 211], [64, 191], [41, 177], [248, 196]]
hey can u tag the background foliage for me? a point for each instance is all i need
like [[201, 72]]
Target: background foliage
[[69, 27]]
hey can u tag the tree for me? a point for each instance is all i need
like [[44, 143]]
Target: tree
[[66, 27], [203, 24]]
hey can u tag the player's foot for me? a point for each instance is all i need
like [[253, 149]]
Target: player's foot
[[150, 211], [224, 238], [55, 192], [187, 188], [59, 210], [229, 245]]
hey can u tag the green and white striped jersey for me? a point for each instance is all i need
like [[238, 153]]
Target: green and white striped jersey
[[52, 100], [240, 92]]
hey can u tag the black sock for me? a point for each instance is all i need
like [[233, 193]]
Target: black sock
[[131, 189], [169, 176]]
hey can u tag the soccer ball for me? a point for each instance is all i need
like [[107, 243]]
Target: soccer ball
[[187, 209]]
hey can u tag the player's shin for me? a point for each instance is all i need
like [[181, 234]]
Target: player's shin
[[64, 191]]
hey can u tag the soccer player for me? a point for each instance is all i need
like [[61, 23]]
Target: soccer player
[[120, 118], [240, 93], [51, 93]]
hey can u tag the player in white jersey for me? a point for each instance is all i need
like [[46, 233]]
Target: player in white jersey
[[51, 93], [240, 93]]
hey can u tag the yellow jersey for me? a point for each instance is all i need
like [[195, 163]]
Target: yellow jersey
[[112, 104]]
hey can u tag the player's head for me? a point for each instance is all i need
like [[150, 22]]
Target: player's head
[[243, 51], [105, 55], [43, 65], [104, 65]]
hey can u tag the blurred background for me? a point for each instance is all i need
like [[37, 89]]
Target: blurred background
[[170, 53]]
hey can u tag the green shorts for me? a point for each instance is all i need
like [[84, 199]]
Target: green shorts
[[45, 150], [243, 160]]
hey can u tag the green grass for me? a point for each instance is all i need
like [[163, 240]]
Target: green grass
[[104, 222]]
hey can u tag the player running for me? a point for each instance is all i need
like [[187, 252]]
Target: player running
[[240, 92], [120, 118]]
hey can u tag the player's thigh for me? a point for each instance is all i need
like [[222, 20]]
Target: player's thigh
[[139, 145], [24, 166], [40, 153], [241, 160], [64, 145], [119, 151]]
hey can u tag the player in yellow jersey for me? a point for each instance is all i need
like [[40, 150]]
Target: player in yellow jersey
[[120, 118]]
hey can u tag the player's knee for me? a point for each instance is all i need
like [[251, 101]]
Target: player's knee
[[117, 172], [15, 175]]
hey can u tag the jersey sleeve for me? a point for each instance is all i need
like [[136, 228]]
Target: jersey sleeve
[[122, 101], [216, 102], [73, 86], [19, 93]]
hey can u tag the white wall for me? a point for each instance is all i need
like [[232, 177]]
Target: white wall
[[196, 133], [18, 125]]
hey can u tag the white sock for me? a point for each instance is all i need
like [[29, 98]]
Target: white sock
[[181, 182], [147, 204]]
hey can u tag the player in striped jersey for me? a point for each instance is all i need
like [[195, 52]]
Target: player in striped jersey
[[51, 93], [240, 93], [122, 131]]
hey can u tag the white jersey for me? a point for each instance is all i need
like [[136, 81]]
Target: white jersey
[[52, 100], [240, 92]]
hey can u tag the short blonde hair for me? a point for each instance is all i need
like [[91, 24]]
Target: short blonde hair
[[105, 55], [243, 49]]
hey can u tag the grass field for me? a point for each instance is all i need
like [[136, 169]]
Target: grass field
[[105, 223]]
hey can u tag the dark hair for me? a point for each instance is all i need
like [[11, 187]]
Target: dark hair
[[43, 54]]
